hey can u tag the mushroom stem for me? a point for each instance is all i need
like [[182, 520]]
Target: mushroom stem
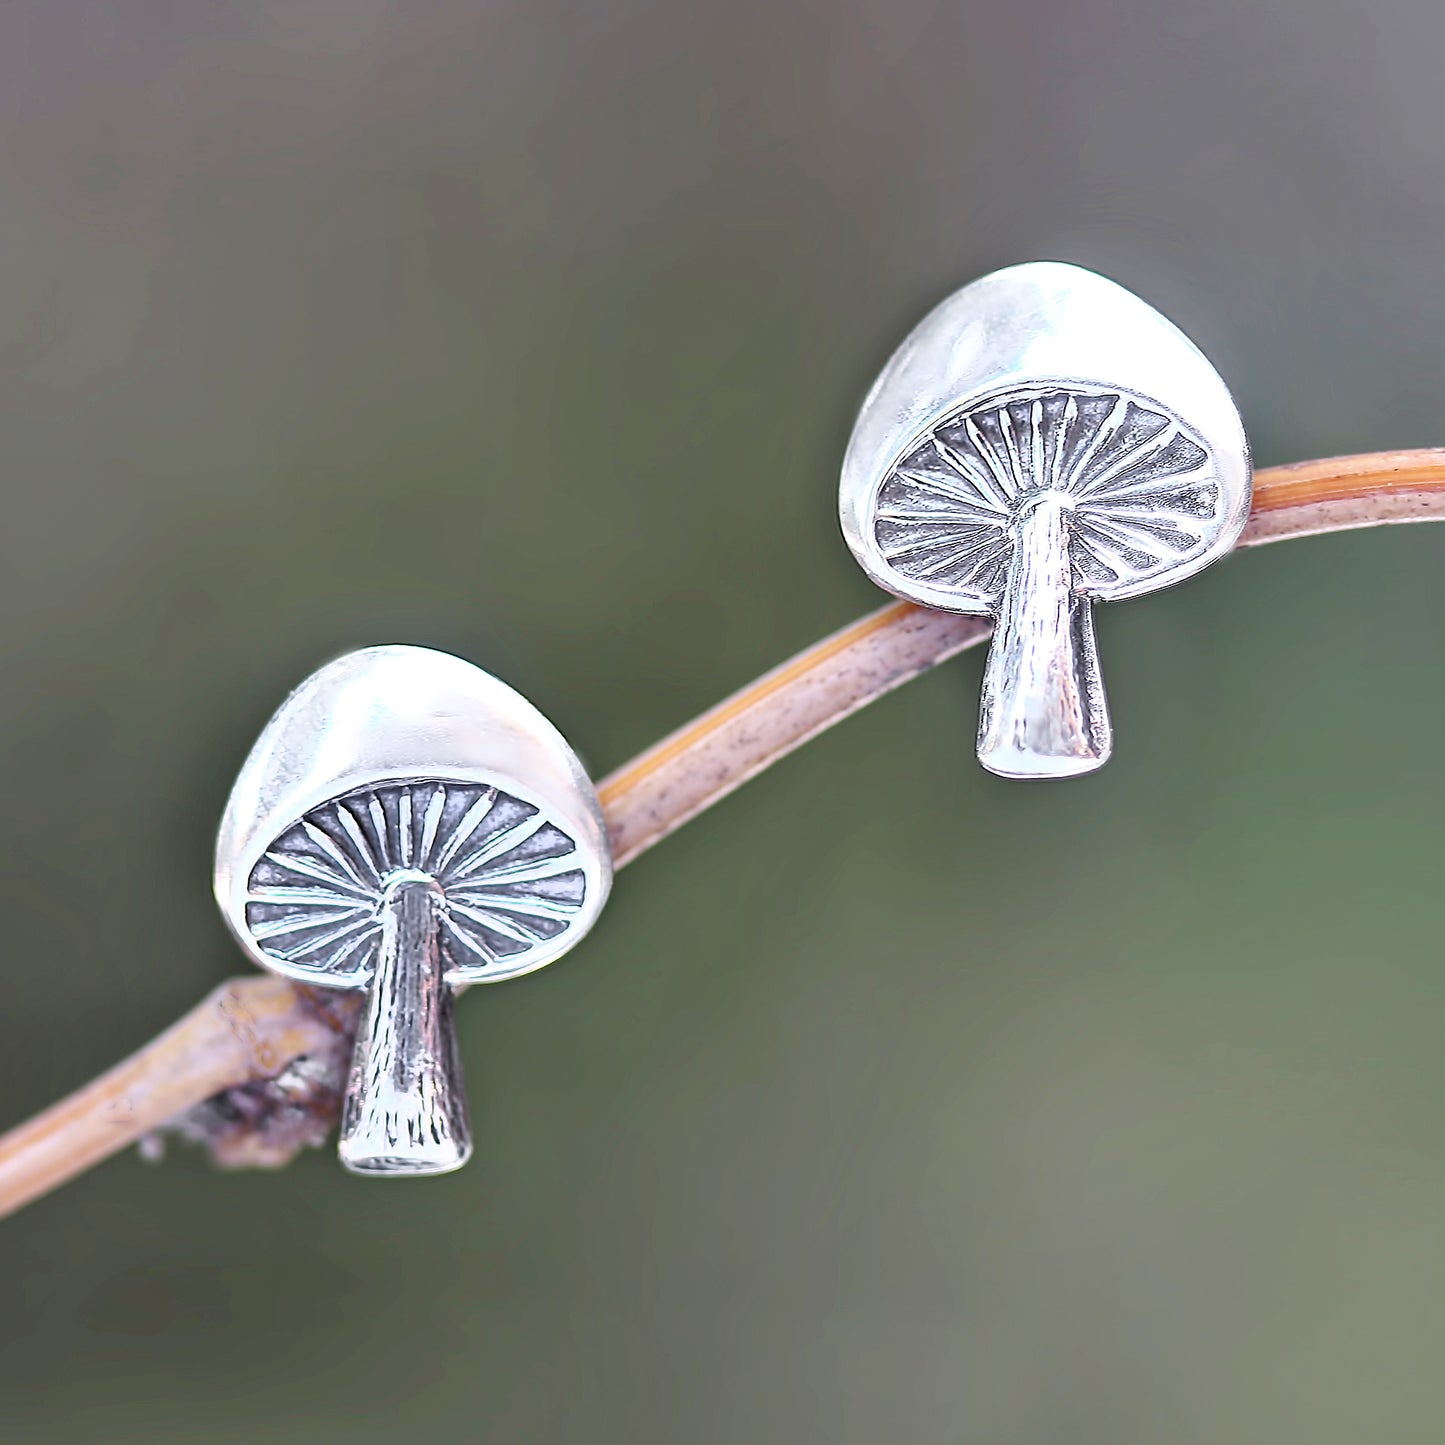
[[1044, 714], [405, 1109]]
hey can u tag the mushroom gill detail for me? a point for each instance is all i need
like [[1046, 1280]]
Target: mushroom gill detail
[[1135, 486], [510, 879]]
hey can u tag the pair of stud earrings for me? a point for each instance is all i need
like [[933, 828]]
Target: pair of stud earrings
[[408, 825]]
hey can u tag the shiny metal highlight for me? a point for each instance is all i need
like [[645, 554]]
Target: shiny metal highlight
[[408, 825], [1043, 440]]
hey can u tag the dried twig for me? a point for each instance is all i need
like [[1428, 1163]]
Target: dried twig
[[235, 1057]]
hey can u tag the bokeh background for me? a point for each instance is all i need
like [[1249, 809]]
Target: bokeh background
[[889, 1101]]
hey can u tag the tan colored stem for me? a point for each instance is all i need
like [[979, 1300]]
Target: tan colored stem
[[715, 753], [251, 1028]]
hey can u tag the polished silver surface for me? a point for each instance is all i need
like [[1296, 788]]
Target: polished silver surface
[[405, 1110], [1043, 440], [408, 825]]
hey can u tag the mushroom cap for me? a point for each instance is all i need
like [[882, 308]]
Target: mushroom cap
[[402, 758], [1043, 377]]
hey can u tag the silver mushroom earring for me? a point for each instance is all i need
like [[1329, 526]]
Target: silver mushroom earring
[[1043, 440], [408, 825]]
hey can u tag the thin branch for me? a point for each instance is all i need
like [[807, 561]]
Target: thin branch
[[717, 752], [248, 1029], [250, 1033]]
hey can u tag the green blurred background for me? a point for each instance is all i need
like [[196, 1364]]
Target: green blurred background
[[888, 1101]]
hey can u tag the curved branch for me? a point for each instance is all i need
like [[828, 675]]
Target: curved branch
[[717, 752], [248, 1032]]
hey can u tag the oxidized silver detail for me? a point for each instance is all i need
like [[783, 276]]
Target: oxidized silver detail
[[405, 1110], [1041, 441], [408, 825], [1135, 489], [508, 879], [412, 889]]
